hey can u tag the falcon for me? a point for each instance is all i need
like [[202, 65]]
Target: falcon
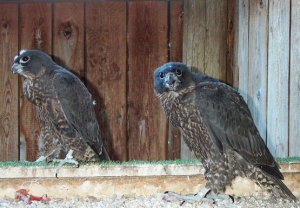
[[216, 124], [65, 109]]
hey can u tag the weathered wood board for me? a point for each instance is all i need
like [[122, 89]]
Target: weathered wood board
[[294, 82], [9, 98], [147, 49], [68, 37], [35, 33], [106, 72], [278, 77], [204, 42], [258, 67], [175, 50]]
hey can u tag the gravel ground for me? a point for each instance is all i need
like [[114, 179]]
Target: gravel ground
[[152, 202]]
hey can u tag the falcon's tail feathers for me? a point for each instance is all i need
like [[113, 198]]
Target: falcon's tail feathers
[[274, 185], [280, 188], [104, 155], [271, 183]]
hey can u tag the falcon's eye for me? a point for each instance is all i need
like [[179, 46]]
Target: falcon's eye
[[178, 72], [24, 59], [161, 74]]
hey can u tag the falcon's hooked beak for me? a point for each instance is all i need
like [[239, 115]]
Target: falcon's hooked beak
[[17, 68], [171, 81]]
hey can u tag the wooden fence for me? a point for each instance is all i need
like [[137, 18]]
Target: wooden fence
[[267, 65], [114, 47], [258, 54]]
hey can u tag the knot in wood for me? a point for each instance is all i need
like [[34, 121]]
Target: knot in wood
[[67, 30], [5, 25]]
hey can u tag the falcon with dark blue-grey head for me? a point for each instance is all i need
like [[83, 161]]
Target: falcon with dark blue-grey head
[[216, 124]]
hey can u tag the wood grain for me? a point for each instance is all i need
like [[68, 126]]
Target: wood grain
[[278, 71], [216, 39], [175, 48], [147, 49], [176, 30], [294, 81], [68, 37], [241, 48], [106, 72], [232, 8], [35, 33], [205, 42], [9, 112], [194, 35], [258, 64], [115, 46]]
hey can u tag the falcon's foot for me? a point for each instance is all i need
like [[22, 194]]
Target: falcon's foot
[[41, 159], [205, 195], [44, 158], [68, 159]]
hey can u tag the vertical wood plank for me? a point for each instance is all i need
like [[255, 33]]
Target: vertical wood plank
[[35, 33], [241, 48], [68, 36], [294, 107], [258, 64], [147, 49], [232, 6], [278, 70], [194, 34], [216, 39], [36, 25], [9, 125], [106, 72], [175, 39], [176, 30], [205, 42], [193, 55]]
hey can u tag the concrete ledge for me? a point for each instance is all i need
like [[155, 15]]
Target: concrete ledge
[[120, 180], [101, 171]]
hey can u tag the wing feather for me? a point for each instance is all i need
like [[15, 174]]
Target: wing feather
[[77, 104], [229, 123]]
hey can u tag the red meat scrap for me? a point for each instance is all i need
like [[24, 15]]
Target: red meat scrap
[[23, 195]]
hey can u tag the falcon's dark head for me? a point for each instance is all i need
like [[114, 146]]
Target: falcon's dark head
[[172, 77], [31, 63]]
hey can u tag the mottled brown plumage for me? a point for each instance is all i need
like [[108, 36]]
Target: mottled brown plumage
[[64, 105], [217, 126]]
